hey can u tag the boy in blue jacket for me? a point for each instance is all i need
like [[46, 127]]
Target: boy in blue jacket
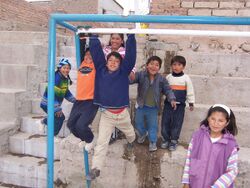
[[112, 96], [150, 87]]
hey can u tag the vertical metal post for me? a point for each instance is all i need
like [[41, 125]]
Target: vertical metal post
[[51, 84], [78, 54], [86, 166]]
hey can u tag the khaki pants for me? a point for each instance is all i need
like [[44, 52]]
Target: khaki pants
[[107, 124]]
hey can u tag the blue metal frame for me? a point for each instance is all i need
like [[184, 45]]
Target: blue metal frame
[[61, 18]]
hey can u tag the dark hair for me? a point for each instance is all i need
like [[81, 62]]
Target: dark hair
[[121, 35], [116, 55], [154, 58], [231, 127], [179, 59]]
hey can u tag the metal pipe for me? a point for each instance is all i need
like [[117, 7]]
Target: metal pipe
[[67, 25], [214, 20], [51, 84], [167, 32], [78, 53]]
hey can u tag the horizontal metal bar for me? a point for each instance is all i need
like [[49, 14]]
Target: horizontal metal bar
[[166, 32], [215, 20]]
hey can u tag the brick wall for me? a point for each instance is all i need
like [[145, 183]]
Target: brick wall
[[21, 15], [201, 7]]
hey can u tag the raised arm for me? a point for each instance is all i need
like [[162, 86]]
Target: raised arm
[[130, 55], [96, 51]]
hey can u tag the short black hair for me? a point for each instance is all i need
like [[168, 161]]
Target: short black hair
[[116, 55], [179, 59], [154, 58]]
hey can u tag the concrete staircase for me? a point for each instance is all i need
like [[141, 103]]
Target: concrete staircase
[[23, 76]]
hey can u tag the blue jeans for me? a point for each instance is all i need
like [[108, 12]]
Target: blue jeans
[[172, 121], [148, 115], [58, 121]]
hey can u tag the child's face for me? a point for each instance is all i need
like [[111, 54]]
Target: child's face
[[88, 57], [113, 63], [116, 41], [64, 70], [177, 67], [153, 67], [217, 122]]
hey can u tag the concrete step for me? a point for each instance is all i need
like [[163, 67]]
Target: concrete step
[[34, 145], [223, 65], [16, 74], [10, 103], [32, 124], [192, 121], [233, 91], [25, 171], [23, 54], [6, 129], [24, 37]]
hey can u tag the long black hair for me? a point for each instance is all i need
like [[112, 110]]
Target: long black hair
[[231, 127], [121, 35]]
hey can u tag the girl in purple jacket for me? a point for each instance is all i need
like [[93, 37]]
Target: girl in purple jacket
[[212, 157]]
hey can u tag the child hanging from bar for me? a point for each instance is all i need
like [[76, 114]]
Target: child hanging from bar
[[116, 44], [84, 110], [112, 95]]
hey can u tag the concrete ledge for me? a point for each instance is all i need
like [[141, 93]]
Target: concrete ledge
[[34, 145], [24, 171]]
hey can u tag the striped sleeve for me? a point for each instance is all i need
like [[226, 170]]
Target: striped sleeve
[[185, 177], [190, 90], [228, 178]]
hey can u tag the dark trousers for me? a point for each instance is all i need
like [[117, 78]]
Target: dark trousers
[[81, 116], [172, 121], [58, 121]]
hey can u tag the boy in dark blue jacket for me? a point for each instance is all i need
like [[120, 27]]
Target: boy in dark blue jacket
[[112, 96]]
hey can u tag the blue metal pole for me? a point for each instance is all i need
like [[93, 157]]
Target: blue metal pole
[[86, 166], [51, 84], [216, 20], [78, 54], [67, 25]]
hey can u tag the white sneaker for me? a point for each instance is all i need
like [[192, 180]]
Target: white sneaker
[[89, 146]]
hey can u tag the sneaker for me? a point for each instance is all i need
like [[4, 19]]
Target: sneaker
[[172, 145], [142, 138], [93, 174], [165, 145], [89, 146], [152, 146]]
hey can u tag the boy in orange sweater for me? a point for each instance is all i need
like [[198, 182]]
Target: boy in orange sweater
[[83, 111]]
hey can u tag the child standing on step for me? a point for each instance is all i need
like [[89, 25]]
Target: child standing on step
[[172, 120], [212, 157], [62, 81], [84, 110], [150, 87], [112, 95]]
